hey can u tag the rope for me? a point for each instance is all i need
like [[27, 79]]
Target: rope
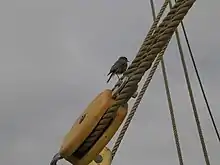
[[165, 32], [192, 98], [200, 81], [158, 43], [142, 92], [151, 39], [137, 102], [136, 62]]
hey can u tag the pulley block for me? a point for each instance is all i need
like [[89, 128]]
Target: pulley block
[[84, 126]]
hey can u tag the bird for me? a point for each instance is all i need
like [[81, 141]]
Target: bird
[[119, 67]]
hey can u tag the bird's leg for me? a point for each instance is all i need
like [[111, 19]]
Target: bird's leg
[[118, 76]]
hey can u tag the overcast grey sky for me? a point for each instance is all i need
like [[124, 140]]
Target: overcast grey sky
[[54, 59]]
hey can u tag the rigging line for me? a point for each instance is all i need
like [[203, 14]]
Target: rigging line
[[169, 100], [206, 156], [199, 80]]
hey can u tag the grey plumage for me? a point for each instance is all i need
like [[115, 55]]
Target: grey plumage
[[119, 67]]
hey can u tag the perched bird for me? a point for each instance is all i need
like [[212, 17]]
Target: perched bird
[[119, 67]]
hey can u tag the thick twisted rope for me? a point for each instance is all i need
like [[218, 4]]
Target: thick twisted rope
[[140, 96], [136, 62], [176, 14], [146, 84], [153, 38], [158, 43], [137, 102]]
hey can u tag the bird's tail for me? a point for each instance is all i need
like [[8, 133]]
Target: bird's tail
[[110, 77]]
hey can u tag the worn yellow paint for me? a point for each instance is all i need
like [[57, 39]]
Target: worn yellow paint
[[106, 157], [84, 126]]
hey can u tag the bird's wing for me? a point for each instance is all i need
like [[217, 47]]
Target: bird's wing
[[115, 66]]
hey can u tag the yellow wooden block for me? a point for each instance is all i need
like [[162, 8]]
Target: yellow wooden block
[[106, 158], [86, 123], [103, 140]]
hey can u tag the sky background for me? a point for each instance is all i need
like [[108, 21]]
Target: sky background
[[54, 59]]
